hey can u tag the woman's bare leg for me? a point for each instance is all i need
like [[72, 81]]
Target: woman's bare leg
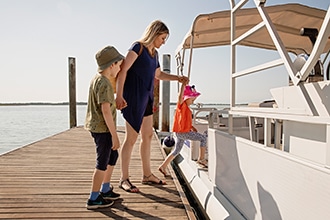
[[126, 150], [145, 145], [145, 149]]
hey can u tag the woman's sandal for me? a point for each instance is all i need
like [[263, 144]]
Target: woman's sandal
[[148, 180], [202, 163], [128, 186]]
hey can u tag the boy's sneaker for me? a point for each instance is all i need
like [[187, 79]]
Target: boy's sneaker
[[110, 195], [98, 203]]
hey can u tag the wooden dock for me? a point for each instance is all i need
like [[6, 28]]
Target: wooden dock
[[51, 179]]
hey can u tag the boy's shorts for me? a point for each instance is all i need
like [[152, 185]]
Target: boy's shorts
[[104, 154]]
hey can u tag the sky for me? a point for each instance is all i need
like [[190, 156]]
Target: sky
[[38, 36]]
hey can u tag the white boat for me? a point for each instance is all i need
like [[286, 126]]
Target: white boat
[[267, 160]]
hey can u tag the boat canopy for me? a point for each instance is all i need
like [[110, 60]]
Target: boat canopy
[[214, 29]]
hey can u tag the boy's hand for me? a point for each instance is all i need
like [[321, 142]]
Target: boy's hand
[[120, 103], [115, 143]]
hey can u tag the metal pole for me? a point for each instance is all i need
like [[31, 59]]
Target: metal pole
[[72, 92], [166, 94]]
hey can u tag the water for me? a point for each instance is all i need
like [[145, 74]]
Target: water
[[22, 125], [26, 124]]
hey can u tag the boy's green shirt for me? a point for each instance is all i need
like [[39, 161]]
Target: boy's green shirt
[[100, 91]]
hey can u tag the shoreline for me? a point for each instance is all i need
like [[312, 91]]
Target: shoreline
[[79, 103]]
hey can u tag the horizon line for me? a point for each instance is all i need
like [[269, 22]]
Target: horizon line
[[78, 103]]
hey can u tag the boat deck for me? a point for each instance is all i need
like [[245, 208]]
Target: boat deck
[[51, 179]]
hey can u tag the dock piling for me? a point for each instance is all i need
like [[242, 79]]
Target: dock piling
[[72, 92], [166, 94]]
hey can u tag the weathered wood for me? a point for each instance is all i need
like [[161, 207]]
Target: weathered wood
[[72, 92], [166, 94], [155, 107], [51, 179]]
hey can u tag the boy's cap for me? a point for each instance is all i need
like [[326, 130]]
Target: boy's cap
[[107, 56], [190, 92]]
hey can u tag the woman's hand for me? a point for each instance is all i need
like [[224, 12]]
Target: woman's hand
[[120, 103], [183, 79]]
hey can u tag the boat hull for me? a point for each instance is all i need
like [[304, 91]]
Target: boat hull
[[247, 180]]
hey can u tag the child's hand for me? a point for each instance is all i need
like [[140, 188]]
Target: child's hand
[[120, 103], [183, 80], [193, 129], [115, 143]]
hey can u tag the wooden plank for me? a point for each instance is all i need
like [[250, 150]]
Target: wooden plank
[[51, 179]]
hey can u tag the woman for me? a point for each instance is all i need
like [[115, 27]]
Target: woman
[[135, 85]]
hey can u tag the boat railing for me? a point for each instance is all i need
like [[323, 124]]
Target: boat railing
[[198, 118], [291, 133], [264, 125]]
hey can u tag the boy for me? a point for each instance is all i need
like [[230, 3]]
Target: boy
[[101, 122]]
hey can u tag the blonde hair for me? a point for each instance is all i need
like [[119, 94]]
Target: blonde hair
[[154, 29]]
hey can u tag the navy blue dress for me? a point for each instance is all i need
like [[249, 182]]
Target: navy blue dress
[[139, 86]]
